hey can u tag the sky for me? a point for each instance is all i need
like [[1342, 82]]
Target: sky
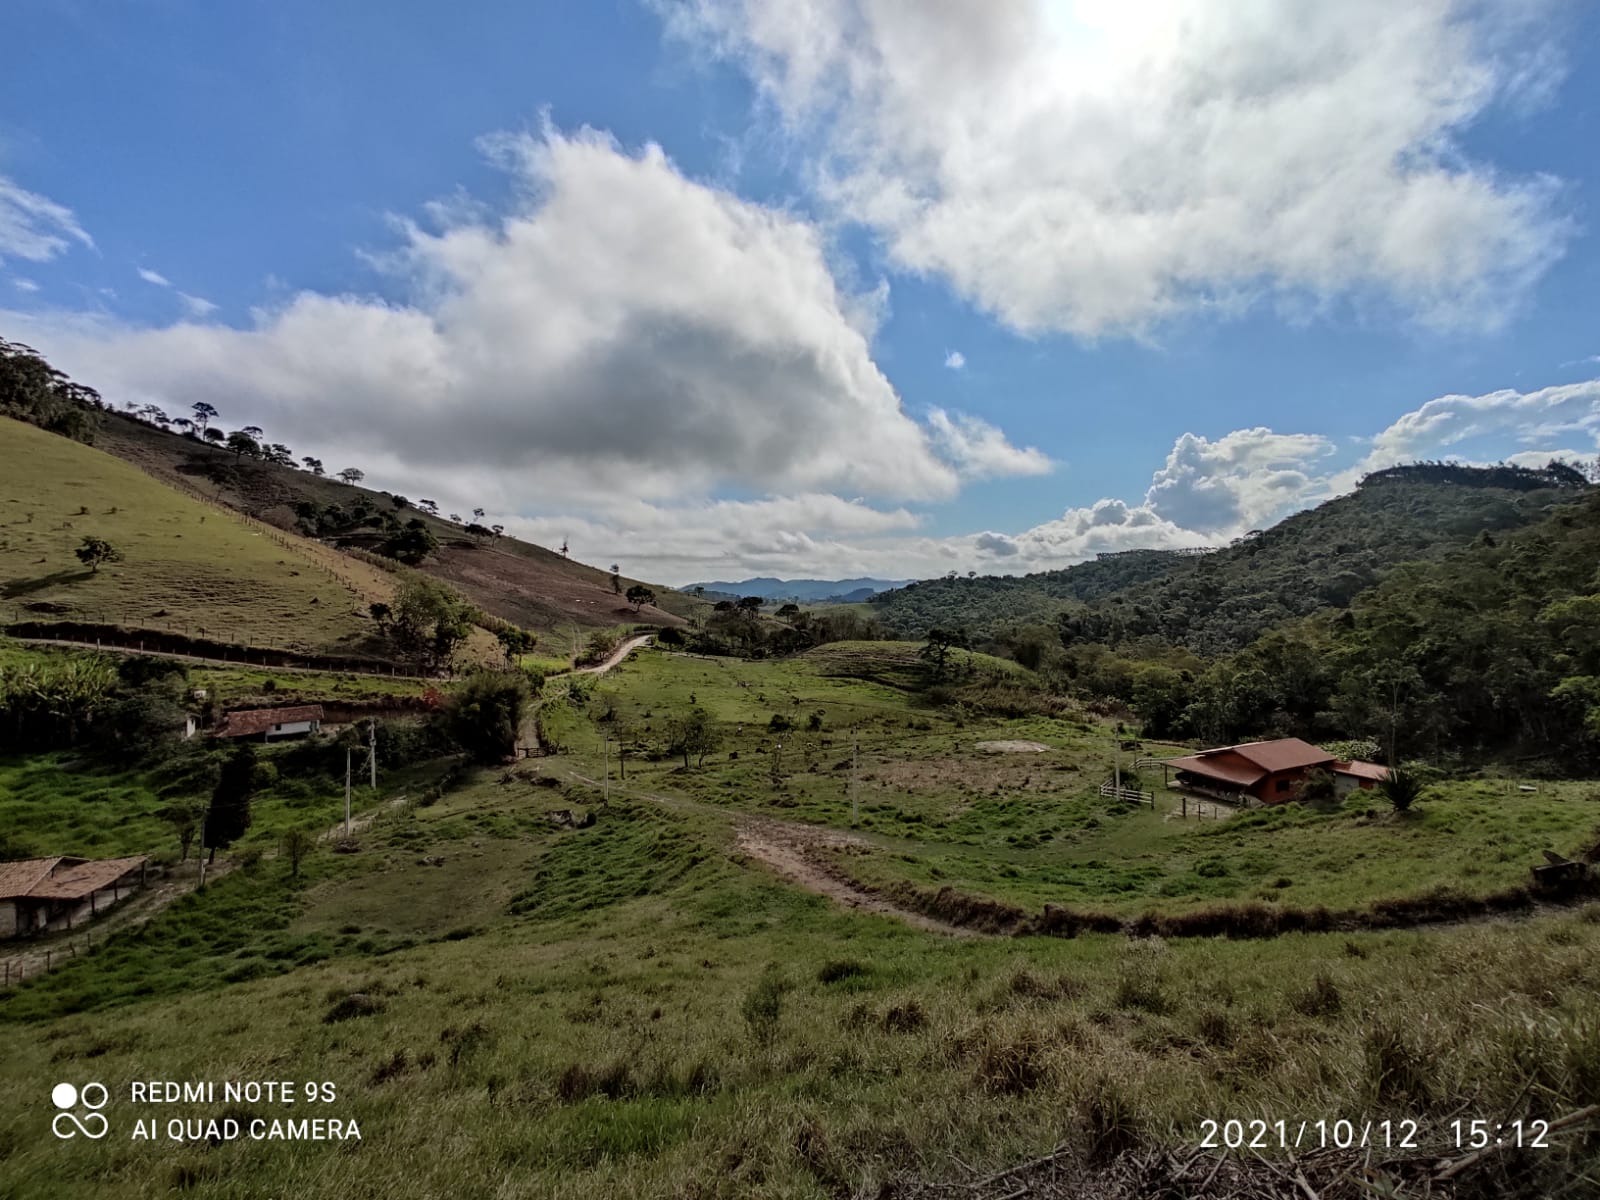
[[824, 288]]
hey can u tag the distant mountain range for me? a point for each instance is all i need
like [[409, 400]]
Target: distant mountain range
[[808, 591]]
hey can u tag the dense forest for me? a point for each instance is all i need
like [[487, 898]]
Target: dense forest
[[1215, 602]]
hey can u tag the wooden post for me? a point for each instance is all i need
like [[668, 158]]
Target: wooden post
[[347, 793]]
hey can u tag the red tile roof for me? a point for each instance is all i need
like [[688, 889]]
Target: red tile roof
[[1250, 762], [1220, 764], [1362, 770], [1284, 754], [62, 878], [249, 721], [20, 877]]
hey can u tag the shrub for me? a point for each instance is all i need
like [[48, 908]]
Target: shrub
[[840, 968], [484, 716]]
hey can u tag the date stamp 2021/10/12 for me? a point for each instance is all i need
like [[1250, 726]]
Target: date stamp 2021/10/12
[[1405, 1134]]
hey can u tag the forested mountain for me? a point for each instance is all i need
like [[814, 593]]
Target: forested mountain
[[803, 591], [1215, 602], [1489, 652]]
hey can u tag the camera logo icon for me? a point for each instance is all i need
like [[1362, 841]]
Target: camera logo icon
[[67, 1123]]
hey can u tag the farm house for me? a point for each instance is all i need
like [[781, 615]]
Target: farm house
[[40, 894], [1266, 772], [271, 724]]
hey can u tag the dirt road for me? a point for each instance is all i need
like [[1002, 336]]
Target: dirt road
[[617, 655]]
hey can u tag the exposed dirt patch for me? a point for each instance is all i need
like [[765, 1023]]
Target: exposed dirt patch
[[796, 852], [1013, 747]]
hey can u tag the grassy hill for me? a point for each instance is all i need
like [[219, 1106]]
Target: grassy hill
[[1222, 600], [636, 1005], [517, 581], [186, 566]]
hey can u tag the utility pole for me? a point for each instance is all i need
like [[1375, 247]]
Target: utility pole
[[347, 793], [372, 750], [605, 774]]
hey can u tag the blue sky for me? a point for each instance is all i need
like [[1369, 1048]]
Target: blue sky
[[829, 287]]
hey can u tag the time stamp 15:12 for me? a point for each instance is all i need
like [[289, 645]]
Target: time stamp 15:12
[[1258, 1134]]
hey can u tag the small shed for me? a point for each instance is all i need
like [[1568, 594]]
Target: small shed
[[39, 894], [1356, 775], [271, 724]]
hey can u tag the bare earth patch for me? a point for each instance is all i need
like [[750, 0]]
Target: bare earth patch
[[792, 851], [1013, 747]]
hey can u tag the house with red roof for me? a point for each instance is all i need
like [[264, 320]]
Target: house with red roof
[[1266, 772], [40, 894]]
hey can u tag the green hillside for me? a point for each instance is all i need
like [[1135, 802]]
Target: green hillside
[[514, 580], [185, 566], [1212, 603]]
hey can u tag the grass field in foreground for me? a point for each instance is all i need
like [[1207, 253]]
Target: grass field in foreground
[[185, 566], [512, 1005], [624, 1011]]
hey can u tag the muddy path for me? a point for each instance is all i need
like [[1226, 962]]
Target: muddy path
[[797, 853]]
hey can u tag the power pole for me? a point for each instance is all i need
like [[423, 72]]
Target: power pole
[[372, 750], [605, 773], [347, 793]]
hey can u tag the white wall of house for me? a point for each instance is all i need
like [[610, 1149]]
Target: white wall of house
[[292, 728]]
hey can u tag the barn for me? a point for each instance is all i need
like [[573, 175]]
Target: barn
[[1265, 772], [41, 894], [271, 724]]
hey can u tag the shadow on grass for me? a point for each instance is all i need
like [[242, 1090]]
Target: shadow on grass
[[27, 587]]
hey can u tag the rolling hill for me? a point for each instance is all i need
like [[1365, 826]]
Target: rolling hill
[[803, 591], [517, 581], [187, 567], [1221, 600]]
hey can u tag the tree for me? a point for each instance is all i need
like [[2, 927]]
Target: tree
[[431, 507], [241, 443], [204, 414], [497, 530], [692, 733], [477, 514], [616, 579], [411, 544], [314, 465], [639, 596], [484, 716], [184, 816], [297, 843], [229, 815], [279, 455], [1402, 788], [937, 646], [213, 435], [515, 642], [254, 431], [352, 476], [397, 500], [429, 623], [93, 551], [379, 612], [751, 604], [788, 612]]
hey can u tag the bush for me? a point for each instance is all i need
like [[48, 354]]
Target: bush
[[485, 715]]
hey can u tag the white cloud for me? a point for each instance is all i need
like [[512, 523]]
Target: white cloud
[[197, 306], [34, 227], [980, 451], [955, 360], [1096, 167], [1448, 422], [622, 329], [155, 277], [24, 285]]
